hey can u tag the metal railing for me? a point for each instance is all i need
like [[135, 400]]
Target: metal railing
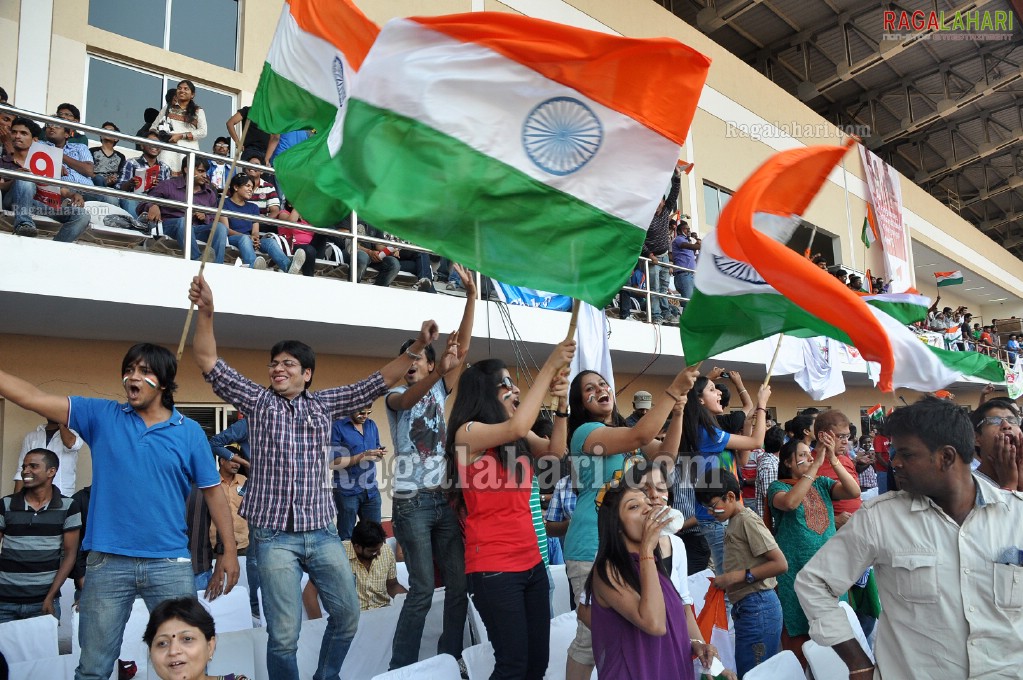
[[189, 207]]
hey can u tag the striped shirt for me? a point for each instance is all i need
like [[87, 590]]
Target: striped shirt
[[683, 495], [538, 526], [290, 483], [33, 545]]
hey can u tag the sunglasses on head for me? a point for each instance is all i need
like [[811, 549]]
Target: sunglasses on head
[[506, 383]]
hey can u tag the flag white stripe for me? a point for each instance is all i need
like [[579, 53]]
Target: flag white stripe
[[306, 60], [483, 99]]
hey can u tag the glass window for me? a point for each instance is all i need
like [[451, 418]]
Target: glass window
[[202, 29], [121, 94], [206, 30], [714, 201], [142, 20]]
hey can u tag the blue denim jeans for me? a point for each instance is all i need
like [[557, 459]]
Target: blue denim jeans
[[10, 611], [252, 574], [758, 620], [283, 556], [659, 277], [684, 283], [273, 250], [363, 506], [387, 268], [515, 608], [112, 582], [714, 532], [243, 243], [19, 198], [175, 228], [202, 579], [428, 532]]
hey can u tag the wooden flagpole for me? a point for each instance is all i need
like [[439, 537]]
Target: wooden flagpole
[[209, 241]]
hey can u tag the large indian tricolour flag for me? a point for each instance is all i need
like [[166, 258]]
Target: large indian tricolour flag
[[534, 152], [750, 285]]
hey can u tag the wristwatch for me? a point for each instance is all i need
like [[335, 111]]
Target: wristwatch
[[750, 578]]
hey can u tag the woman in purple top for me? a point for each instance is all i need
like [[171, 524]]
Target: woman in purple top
[[638, 619]]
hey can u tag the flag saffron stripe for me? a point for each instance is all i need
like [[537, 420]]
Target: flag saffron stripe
[[340, 23], [543, 129], [599, 65]]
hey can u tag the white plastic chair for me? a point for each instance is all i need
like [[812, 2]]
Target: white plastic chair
[[53, 668], [782, 666], [479, 661], [440, 667], [236, 653], [29, 639], [230, 612], [824, 661], [476, 626], [562, 598]]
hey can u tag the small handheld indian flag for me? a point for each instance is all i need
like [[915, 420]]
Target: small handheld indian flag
[[949, 278], [875, 413]]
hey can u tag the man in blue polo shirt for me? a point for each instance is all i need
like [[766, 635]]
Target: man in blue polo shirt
[[136, 532], [356, 444]]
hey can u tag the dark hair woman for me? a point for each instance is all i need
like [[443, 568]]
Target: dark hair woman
[[181, 640], [804, 519], [599, 444], [183, 121], [716, 448], [489, 448], [640, 627]]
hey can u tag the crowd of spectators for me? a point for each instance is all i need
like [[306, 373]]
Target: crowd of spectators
[[160, 173]]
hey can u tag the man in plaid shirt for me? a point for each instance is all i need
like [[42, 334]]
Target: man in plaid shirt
[[288, 503]]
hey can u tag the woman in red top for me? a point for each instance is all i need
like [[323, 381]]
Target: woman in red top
[[491, 475]]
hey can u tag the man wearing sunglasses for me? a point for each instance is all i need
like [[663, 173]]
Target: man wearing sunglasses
[[355, 441], [999, 452]]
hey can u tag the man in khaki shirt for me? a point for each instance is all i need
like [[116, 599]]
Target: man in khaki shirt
[[946, 554]]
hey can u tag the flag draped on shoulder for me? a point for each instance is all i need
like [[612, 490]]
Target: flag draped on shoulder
[[310, 67], [531, 151], [749, 285]]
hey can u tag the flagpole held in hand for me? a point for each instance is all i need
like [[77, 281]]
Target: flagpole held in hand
[[209, 241], [777, 351]]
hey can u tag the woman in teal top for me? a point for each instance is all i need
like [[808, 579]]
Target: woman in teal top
[[804, 519], [599, 444]]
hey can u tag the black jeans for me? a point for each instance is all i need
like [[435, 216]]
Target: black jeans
[[697, 551], [515, 608]]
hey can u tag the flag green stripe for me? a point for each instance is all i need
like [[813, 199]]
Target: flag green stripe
[[713, 324], [950, 282], [280, 105], [906, 312], [972, 364], [492, 217]]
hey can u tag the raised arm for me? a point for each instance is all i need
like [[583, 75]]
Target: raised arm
[[204, 345], [395, 369], [848, 485], [793, 498], [465, 327], [472, 439], [608, 441], [739, 442], [31, 398]]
